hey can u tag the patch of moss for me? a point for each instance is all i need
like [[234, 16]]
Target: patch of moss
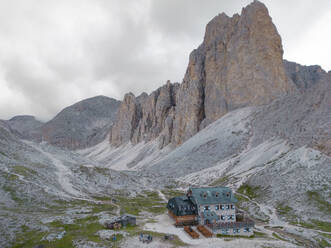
[[250, 191], [328, 236], [3, 154], [29, 239], [259, 234], [278, 237], [149, 202], [220, 181], [13, 194], [24, 171], [234, 236], [170, 193], [323, 243], [283, 209], [315, 224], [320, 201]]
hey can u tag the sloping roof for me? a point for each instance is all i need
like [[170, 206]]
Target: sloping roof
[[181, 206], [210, 215], [212, 195]]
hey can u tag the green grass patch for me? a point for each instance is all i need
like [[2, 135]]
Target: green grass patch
[[326, 235], [323, 243], [220, 181], [278, 237], [3, 154], [234, 236], [320, 201], [148, 201], [170, 193], [81, 229], [13, 194], [24, 171], [315, 224], [283, 209], [251, 192], [259, 234]]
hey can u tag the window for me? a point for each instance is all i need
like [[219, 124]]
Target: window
[[222, 217], [232, 206], [216, 207], [233, 217], [222, 207], [227, 206], [230, 217], [206, 208], [224, 231], [246, 229], [236, 230]]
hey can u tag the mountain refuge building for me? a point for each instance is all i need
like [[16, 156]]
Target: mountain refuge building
[[213, 207]]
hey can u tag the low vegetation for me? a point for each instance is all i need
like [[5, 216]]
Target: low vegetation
[[250, 191], [170, 193], [220, 181], [322, 204], [278, 237], [315, 224], [147, 201], [23, 171]]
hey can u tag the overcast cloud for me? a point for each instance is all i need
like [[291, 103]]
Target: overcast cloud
[[54, 53]]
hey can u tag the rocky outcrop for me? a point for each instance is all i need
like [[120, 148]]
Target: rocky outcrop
[[83, 124], [302, 119], [26, 127], [239, 63], [146, 117], [304, 77]]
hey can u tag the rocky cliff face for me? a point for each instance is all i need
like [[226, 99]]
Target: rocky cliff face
[[239, 63], [146, 117], [304, 77], [83, 124]]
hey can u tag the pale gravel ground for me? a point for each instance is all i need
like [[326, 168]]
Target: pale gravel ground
[[165, 224]]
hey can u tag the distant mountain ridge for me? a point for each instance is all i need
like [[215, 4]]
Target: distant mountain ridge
[[83, 124], [78, 126]]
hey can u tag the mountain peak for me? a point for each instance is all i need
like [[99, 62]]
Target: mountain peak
[[238, 64]]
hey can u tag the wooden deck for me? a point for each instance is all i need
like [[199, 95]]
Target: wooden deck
[[191, 232], [205, 232], [186, 220]]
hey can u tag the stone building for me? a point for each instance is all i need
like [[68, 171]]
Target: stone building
[[214, 207]]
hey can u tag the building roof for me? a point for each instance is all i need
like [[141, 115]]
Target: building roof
[[181, 206], [212, 195]]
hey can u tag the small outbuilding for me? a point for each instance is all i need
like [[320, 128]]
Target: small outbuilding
[[121, 221]]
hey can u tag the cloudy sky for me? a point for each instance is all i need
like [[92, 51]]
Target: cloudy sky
[[54, 53]]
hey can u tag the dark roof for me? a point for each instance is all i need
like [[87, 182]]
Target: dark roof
[[212, 195], [181, 206]]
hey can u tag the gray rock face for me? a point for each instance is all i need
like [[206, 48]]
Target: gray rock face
[[304, 77], [83, 124], [146, 117], [303, 119], [239, 63], [26, 127]]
